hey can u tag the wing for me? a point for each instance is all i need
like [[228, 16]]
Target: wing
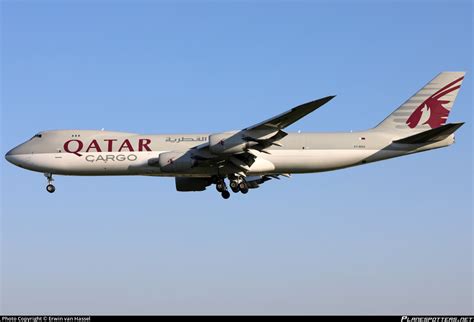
[[289, 117], [239, 150], [262, 135], [235, 153]]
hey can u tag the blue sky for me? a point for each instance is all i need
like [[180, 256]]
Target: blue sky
[[393, 237]]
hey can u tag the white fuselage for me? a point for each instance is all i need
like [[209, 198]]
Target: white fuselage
[[114, 153]]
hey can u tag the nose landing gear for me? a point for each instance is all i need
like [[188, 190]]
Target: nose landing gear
[[50, 187]]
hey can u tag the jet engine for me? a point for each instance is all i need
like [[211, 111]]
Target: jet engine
[[227, 143], [175, 161]]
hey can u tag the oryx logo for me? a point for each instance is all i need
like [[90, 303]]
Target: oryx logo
[[432, 111]]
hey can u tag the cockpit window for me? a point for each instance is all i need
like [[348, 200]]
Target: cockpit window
[[36, 136]]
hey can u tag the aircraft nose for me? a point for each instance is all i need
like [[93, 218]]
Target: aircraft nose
[[10, 156], [20, 156]]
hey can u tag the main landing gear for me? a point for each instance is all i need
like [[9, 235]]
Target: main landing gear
[[236, 184], [222, 188], [243, 187], [239, 184], [50, 187], [225, 194]]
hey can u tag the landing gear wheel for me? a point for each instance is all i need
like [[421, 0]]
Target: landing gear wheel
[[244, 188], [225, 194], [220, 186], [234, 186], [50, 188]]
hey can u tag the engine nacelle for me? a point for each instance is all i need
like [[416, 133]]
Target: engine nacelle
[[175, 161], [227, 143], [192, 184]]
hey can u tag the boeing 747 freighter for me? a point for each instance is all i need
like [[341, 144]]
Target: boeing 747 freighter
[[249, 157]]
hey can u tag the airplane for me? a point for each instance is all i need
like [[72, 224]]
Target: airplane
[[249, 157]]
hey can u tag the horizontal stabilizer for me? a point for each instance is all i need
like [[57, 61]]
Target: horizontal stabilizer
[[433, 135]]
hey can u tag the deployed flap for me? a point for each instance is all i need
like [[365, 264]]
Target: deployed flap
[[265, 143], [436, 134], [256, 181], [285, 119]]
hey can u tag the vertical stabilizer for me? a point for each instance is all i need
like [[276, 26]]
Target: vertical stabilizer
[[429, 108]]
